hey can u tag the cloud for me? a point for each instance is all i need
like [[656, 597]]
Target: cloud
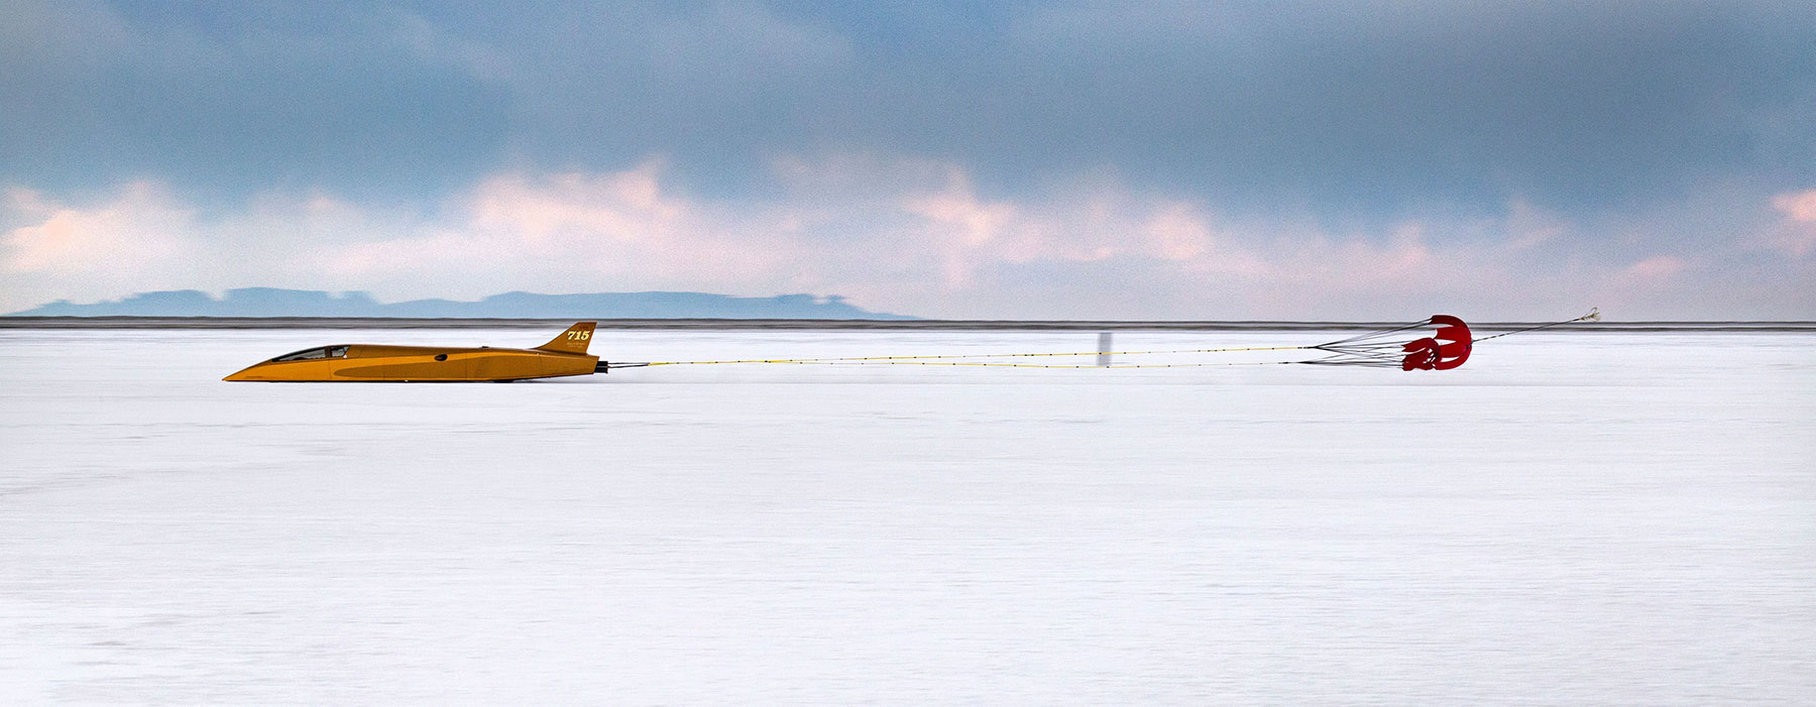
[[1797, 236], [1381, 112], [1797, 206], [1654, 271], [572, 232], [142, 231], [902, 234], [229, 103], [1165, 159]]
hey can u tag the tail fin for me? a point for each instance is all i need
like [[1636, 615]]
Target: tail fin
[[572, 341]]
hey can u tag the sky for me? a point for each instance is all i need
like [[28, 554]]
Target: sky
[[1047, 160]]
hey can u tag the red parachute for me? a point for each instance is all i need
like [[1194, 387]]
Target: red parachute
[[1446, 348]]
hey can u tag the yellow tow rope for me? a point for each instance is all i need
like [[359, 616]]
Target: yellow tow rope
[[945, 359]]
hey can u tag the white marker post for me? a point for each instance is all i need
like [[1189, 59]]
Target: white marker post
[[1103, 349]]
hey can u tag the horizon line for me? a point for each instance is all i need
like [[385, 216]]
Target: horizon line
[[307, 322]]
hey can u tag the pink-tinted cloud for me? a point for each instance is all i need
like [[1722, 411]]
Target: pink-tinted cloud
[[142, 235], [1798, 206], [141, 229], [905, 235], [1654, 271], [1797, 237]]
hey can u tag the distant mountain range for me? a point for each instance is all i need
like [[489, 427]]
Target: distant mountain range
[[272, 302]]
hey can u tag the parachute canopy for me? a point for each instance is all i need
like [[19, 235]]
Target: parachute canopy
[[1445, 348]]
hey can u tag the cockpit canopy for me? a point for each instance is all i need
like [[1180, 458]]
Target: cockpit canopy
[[308, 354]]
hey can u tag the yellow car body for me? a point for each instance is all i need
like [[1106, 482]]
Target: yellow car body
[[564, 356]]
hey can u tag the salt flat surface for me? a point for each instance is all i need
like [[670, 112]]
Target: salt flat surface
[[1570, 518]]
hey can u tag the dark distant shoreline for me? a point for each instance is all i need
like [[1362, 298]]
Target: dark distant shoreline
[[16, 322]]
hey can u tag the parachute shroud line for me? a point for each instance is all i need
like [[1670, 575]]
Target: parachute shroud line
[[1447, 346]]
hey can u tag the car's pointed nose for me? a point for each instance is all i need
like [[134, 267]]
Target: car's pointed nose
[[245, 374]]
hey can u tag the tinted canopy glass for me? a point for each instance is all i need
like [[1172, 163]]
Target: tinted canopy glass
[[307, 354]]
